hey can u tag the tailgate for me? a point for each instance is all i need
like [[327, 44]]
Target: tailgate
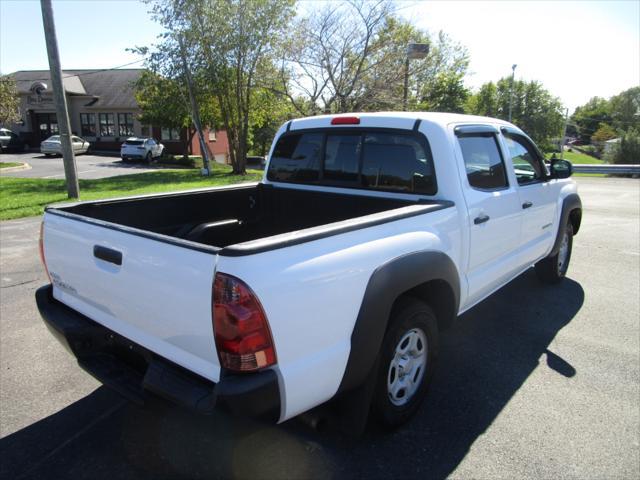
[[159, 296]]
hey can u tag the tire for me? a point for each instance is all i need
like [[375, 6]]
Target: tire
[[553, 268], [149, 158], [397, 395]]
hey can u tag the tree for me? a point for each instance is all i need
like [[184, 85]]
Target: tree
[[9, 101], [625, 109], [350, 56], [229, 44], [163, 102], [589, 116], [534, 109], [604, 133], [627, 151]]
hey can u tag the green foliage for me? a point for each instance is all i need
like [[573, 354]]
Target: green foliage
[[534, 109], [589, 116], [9, 101], [627, 151], [625, 109], [604, 133]]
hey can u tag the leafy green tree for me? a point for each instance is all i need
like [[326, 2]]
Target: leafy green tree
[[625, 109], [164, 102], [9, 101], [229, 43], [627, 151], [604, 133], [534, 109], [589, 116]]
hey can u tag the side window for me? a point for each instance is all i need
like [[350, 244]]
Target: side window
[[483, 162], [526, 163], [396, 162], [296, 158]]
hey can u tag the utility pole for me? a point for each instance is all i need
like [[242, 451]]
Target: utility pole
[[405, 94], [70, 171], [513, 74], [564, 132], [195, 112]]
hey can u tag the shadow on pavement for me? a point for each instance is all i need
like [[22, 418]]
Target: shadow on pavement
[[484, 359]]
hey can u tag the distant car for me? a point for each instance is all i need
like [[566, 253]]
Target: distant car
[[10, 141], [53, 146], [256, 160], [141, 148]]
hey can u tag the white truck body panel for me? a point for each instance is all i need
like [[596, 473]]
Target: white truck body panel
[[160, 297], [311, 292]]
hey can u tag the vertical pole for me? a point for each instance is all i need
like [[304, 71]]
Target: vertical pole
[[513, 74], [195, 112], [564, 132], [406, 84], [70, 171]]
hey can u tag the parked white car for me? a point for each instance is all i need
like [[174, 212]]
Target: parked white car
[[53, 146], [141, 148], [328, 281]]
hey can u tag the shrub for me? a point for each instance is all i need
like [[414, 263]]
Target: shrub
[[627, 150]]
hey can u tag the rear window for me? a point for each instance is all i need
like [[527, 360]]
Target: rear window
[[134, 142], [483, 162], [379, 160], [54, 138]]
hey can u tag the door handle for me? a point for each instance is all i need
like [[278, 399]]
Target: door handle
[[107, 254], [481, 219], [527, 205]]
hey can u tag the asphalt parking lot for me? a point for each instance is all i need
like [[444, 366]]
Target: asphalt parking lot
[[89, 166], [536, 382]]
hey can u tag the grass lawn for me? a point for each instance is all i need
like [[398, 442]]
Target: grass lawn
[[578, 158], [9, 164], [24, 197]]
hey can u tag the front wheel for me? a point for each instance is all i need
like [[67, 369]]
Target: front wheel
[[149, 158], [409, 351], [553, 268]]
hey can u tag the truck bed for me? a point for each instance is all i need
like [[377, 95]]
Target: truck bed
[[234, 215]]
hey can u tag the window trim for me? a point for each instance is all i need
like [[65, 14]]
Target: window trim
[[133, 133], [515, 135], [494, 135], [82, 124], [113, 124], [362, 131]]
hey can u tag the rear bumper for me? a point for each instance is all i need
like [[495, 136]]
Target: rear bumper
[[134, 371]]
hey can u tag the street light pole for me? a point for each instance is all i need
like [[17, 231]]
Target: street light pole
[[70, 170], [513, 74], [415, 51]]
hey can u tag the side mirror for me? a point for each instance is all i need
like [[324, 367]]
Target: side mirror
[[561, 168]]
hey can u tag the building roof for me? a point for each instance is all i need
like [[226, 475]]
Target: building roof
[[107, 88]]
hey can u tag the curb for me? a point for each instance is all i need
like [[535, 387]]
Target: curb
[[24, 166]]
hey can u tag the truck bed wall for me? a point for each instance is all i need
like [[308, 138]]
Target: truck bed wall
[[260, 211]]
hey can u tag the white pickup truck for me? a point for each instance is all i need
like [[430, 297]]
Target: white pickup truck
[[328, 281]]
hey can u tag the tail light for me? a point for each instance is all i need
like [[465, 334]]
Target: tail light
[[41, 248], [242, 334], [345, 121]]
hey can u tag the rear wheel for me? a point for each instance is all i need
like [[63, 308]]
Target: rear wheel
[[409, 350], [553, 268]]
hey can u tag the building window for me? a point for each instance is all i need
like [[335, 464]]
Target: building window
[[212, 135], [107, 125], [170, 133], [125, 124], [88, 124]]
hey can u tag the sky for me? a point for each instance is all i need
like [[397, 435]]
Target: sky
[[577, 49]]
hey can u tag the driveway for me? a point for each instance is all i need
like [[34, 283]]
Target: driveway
[[89, 166], [535, 382]]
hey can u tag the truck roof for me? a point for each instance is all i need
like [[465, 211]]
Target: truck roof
[[404, 120]]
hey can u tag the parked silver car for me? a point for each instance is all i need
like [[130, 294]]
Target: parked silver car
[[53, 146]]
